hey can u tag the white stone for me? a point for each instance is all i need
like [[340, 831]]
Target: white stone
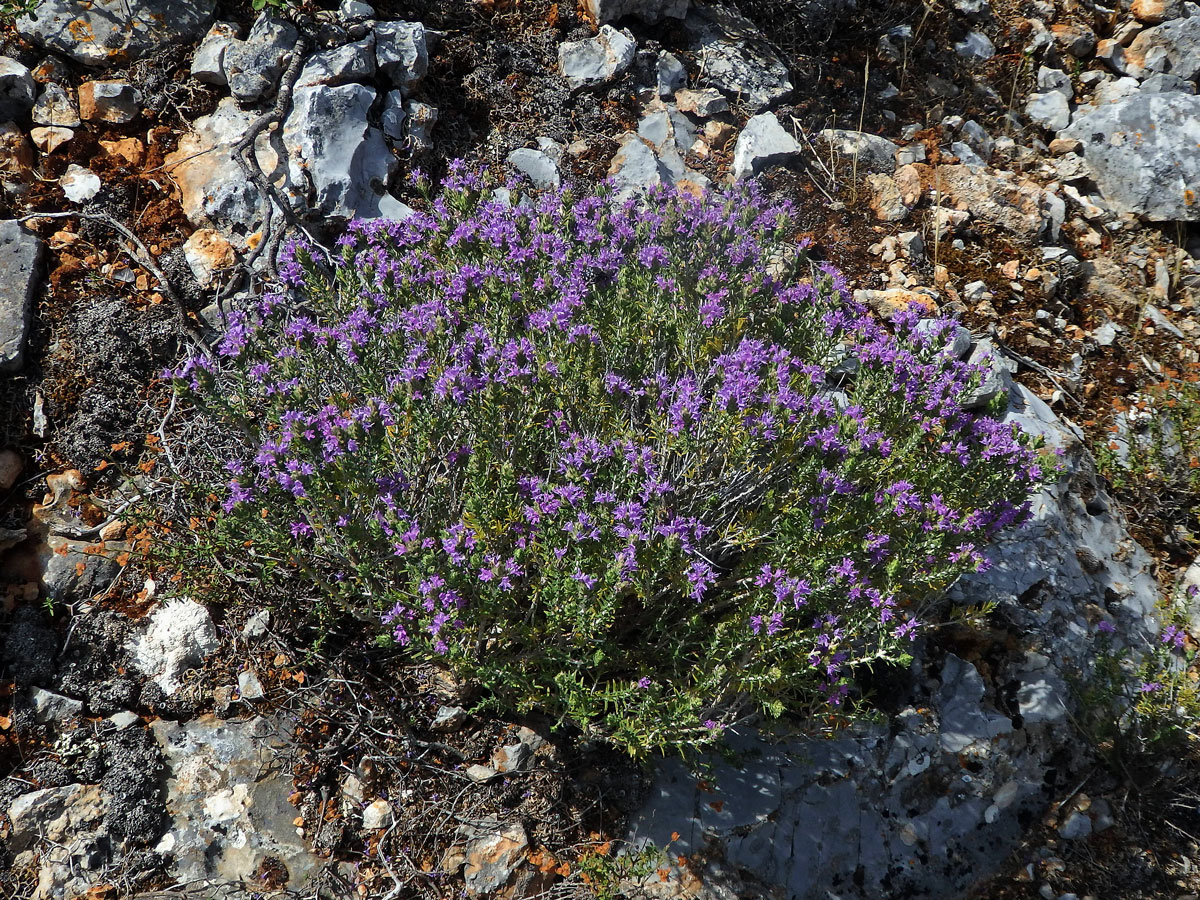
[[598, 59], [178, 636], [80, 184], [762, 143]]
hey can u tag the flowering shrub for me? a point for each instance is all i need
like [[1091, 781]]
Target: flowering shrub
[[635, 463]]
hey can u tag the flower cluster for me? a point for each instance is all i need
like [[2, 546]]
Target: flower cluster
[[606, 457]]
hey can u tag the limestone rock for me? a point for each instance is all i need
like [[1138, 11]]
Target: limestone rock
[[1142, 151], [51, 138], [112, 100], [227, 795], [177, 637], [51, 707], [669, 73], [419, 121], [55, 108], [539, 168], [735, 59], [1077, 40], [762, 144], [102, 33], [873, 153], [649, 11], [886, 202], [1017, 206], [54, 814], [1171, 47], [207, 253], [20, 261], [213, 190], [340, 65], [16, 89], [335, 159], [703, 103], [252, 67], [1051, 110], [79, 184], [208, 63], [598, 59], [492, 859], [391, 118], [402, 52], [1152, 12]]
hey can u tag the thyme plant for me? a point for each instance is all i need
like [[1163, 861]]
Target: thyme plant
[[634, 462]]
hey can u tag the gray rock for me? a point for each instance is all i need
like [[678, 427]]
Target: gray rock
[[257, 625], [649, 11], [377, 815], [1076, 826], [1165, 83], [402, 52], [1113, 90], [420, 120], [735, 59], [448, 718], [1051, 110], [977, 138], [253, 66], [55, 108], [355, 10], [392, 116], [598, 59], [480, 774], [667, 129], [340, 65], [75, 573], [227, 795], [51, 707], [762, 144], [1142, 151], [956, 340], [874, 154], [109, 100], [635, 166], [54, 814], [178, 636], [102, 33], [536, 166], [703, 103], [998, 370], [492, 858], [670, 73], [976, 10], [249, 687], [20, 261], [967, 155], [213, 190], [208, 63], [335, 159], [1055, 81], [16, 89], [1171, 47], [123, 719], [975, 45], [513, 758]]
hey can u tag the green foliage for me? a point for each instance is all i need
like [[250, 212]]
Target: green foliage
[[1143, 703], [1152, 457], [606, 458]]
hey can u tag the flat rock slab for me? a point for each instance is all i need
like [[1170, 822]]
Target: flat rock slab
[[735, 58], [227, 795], [101, 33], [1142, 151], [20, 257]]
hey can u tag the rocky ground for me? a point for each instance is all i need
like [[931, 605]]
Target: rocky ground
[[1030, 168]]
